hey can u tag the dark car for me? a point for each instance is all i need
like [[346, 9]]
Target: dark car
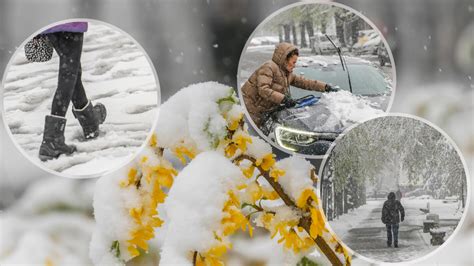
[[305, 130]]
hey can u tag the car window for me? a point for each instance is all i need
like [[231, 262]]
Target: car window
[[366, 80]]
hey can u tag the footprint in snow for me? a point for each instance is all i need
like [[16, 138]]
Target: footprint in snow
[[138, 109]]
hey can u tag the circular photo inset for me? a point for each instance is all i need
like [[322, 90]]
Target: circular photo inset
[[80, 98], [394, 188], [311, 70]]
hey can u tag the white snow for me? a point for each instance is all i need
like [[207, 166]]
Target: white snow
[[346, 109], [260, 248], [194, 206], [363, 225], [192, 116], [112, 205], [50, 223], [297, 176], [53, 193], [258, 148], [116, 73]]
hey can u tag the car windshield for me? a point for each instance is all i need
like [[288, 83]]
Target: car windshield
[[366, 79]]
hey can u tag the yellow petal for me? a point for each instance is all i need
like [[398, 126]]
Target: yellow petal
[[153, 140], [230, 150], [276, 173], [133, 251], [266, 162], [139, 242], [248, 172], [308, 193]]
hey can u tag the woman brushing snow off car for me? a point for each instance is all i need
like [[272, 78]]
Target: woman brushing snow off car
[[67, 39], [269, 85]]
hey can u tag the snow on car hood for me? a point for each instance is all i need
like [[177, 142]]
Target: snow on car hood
[[334, 112]]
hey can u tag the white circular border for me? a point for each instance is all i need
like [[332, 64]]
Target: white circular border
[[113, 169], [468, 195], [279, 11]]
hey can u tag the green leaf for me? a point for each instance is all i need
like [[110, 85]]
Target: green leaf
[[306, 262], [115, 248]]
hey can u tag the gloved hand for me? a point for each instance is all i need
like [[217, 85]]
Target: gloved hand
[[330, 88], [403, 218], [288, 102]]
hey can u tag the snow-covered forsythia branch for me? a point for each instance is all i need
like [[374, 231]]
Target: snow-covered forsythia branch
[[230, 179]]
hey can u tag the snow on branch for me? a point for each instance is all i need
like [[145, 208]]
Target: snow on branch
[[219, 190]]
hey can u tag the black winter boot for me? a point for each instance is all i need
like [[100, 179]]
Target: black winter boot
[[53, 139], [90, 117]]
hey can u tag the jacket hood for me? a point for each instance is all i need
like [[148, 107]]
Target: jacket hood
[[391, 196], [281, 52]]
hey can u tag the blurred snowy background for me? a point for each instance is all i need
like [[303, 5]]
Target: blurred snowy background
[[48, 217], [116, 73]]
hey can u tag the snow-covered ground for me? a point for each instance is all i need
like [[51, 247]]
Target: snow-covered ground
[[363, 231], [116, 73], [50, 224]]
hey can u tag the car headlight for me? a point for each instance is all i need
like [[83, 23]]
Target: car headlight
[[288, 137]]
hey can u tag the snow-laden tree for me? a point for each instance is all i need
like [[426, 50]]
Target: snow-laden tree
[[389, 151]]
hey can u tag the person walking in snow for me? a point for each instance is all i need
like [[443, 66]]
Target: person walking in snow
[[392, 214], [67, 40], [269, 85]]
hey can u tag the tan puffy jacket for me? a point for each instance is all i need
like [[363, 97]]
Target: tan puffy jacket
[[268, 85]]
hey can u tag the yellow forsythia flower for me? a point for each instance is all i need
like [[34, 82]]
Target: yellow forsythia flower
[[48, 262], [266, 162], [270, 195], [308, 193], [241, 141], [248, 172], [317, 223], [234, 123], [230, 149], [182, 151], [133, 251], [254, 191], [276, 173], [153, 140], [131, 176]]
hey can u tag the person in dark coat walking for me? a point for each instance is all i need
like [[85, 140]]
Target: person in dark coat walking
[[392, 214]]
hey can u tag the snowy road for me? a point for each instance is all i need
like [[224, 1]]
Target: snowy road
[[363, 231], [115, 73], [370, 238]]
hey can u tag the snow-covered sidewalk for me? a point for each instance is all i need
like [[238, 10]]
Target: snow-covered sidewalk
[[363, 231], [115, 73]]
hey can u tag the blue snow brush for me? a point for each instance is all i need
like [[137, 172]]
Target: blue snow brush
[[307, 101]]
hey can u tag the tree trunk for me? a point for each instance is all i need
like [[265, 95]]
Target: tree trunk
[[338, 201], [323, 27], [304, 44], [340, 31], [280, 33], [345, 201], [295, 34], [287, 29]]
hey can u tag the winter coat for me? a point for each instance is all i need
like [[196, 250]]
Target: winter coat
[[270, 83], [392, 210], [69, 27]]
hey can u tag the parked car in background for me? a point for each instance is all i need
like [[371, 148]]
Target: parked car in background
[[321, 44], [264, 40], [367, 42]]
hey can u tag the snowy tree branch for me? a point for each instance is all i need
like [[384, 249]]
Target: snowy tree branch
[[305, 222]]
